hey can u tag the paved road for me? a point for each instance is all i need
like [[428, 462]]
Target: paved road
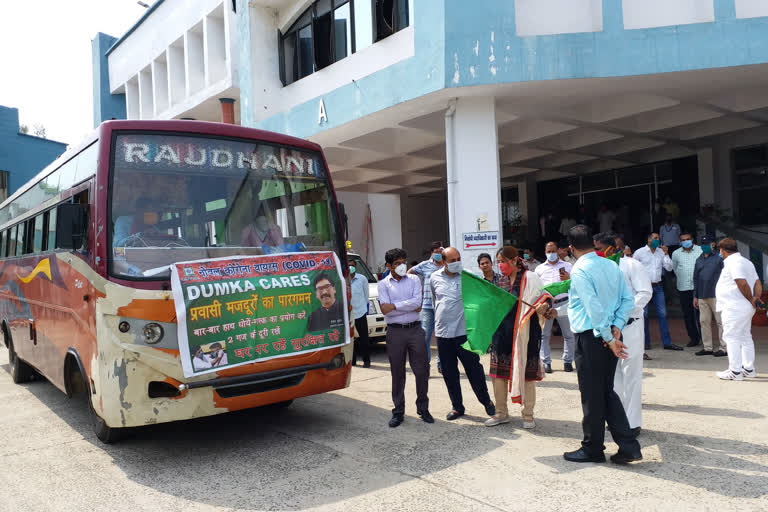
[[705, 445]]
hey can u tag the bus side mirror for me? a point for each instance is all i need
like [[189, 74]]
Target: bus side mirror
[[71, 225]]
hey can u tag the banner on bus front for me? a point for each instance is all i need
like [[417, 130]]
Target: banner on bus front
[[237, 310]]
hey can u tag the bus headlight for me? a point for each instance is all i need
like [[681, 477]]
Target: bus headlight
[[152, 333]]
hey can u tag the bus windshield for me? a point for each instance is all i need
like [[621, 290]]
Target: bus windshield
[[185, 197]]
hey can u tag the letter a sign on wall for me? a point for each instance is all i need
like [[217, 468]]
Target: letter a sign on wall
[[321, 115]]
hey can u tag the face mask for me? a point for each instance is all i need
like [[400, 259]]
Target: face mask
[[352, 270], [687, 244], [655, 244], [505, 268], [706, 248], [401, 269], [453, 267], [437, 257], [526, 256], [552, 257]]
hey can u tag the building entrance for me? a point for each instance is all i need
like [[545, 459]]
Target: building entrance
[[632, 201]]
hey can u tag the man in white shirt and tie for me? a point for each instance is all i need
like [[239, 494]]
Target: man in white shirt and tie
[[654, 260]]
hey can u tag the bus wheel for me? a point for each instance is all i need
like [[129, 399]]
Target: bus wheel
[[20, 371], [104, 432]]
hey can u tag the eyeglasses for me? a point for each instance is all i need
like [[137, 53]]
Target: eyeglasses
[[323, 288]]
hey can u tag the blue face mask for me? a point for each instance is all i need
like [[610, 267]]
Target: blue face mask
[[552, 257], [437, 257], [526, 256], [352, 270], [706, 248], [687, 244], [655, 244]]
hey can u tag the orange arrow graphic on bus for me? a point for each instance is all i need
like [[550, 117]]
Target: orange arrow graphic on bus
[[44, 267]]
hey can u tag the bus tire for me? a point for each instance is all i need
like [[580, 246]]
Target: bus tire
[[21, 372], [104, 432]]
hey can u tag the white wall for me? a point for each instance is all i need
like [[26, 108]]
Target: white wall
[[751, 8], [544, 17], [664, 13], [164, 26], [385, 220]]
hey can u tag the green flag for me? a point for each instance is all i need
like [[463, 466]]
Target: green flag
[[485, 306], [556, 289]]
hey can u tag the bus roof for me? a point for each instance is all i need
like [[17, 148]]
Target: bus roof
[[106, 128]]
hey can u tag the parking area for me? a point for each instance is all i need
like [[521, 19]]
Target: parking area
[[705, 444]]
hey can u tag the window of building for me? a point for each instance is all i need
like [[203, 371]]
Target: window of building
[[331, 30], [751, 184], [3, 185]]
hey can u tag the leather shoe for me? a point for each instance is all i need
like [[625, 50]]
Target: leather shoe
[[624, 458], [548, 368], [568, 367], [672, 346], [490, 409], [704, 352], [720, 353], [692, 344], [581, 456], [396, 420], [646, 357], [452, 415], [426, 417]]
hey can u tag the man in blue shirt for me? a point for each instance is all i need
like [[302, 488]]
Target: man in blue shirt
[[599, 306], [360, 293], [424, 271]]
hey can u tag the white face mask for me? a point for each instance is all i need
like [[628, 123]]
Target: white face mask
[[454, 267], [401, 269], [552, 257]]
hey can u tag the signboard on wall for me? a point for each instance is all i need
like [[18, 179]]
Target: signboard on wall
[[482, 240]]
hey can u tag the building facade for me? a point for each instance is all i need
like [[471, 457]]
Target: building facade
[[445, 118], [22, 155]]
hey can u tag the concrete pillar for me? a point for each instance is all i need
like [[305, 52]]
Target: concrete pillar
[[474, 189], [227, 110]]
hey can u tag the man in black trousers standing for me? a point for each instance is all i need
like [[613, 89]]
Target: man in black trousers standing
[[400, 301], [599, 307]]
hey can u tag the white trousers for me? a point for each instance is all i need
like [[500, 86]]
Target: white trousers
[[737, 335], [628, 382]]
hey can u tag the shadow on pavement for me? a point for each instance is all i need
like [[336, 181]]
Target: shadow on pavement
[[323, 449], [715, 464], [703, 411]]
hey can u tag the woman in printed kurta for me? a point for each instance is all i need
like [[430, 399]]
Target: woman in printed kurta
[[515, 363]]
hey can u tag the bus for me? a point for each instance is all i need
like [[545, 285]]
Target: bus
[[87, 247]]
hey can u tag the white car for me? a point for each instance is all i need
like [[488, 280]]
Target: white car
[[377, 327]]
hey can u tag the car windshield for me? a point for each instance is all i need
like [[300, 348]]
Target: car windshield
[[183, 198], [362, 268]]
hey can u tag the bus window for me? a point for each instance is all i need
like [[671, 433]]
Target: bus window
[[3, 243], [37, 236], [206, 198], [51, 242], [20, 239]]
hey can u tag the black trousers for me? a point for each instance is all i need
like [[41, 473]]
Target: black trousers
[[691, 315], [402, 343], [362, 342], [451, 352], [596, 367]]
